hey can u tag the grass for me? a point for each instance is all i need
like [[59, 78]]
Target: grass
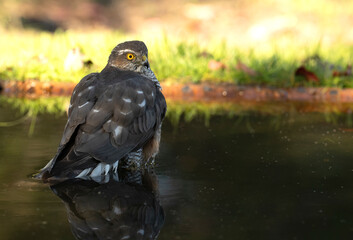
[[28, 109], [39, 55]]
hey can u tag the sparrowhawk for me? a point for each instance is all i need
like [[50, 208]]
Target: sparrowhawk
[[114, 116]]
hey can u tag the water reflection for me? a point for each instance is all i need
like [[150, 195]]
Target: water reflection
[[126, 207], [248, 177]]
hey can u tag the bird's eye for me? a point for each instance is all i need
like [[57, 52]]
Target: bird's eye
[[130, 56]]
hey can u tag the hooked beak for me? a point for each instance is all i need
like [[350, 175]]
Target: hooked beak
[[146, 64], [145, 61]]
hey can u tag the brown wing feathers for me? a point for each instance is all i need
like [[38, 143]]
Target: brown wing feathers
[[107, 127]]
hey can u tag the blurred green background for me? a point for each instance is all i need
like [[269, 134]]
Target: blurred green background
[[240, 42]]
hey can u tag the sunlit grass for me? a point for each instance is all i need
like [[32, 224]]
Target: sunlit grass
[[54, 105], [34, 55]]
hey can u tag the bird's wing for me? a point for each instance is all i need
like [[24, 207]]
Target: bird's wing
[[124, 117], [107, 122], [82, 100]]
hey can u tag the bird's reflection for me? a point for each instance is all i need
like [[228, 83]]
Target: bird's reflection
[[126, 207]]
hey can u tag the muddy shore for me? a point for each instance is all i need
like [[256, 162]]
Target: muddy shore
[[195, 92]]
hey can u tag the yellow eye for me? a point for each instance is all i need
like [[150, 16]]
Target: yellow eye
[[130, 56]]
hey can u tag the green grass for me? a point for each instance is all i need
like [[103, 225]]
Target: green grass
[[28, 109], [38, 55]]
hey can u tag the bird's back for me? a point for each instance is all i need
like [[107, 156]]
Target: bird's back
[[111, 114]]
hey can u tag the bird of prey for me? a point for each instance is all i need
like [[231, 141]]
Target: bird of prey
[[114, 118]]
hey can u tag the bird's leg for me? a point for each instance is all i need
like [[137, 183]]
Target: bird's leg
[[133, 160], [150, 162]]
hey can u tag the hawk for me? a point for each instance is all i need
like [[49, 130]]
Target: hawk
[[114, 116]]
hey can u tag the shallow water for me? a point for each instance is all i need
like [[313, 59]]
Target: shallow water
[[246, 177]]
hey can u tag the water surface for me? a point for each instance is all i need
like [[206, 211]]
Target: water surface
[[252, 176]]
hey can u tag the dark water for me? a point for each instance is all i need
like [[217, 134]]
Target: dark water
[[248, 177]]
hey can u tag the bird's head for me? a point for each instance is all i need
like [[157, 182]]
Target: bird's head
[[130, 56]]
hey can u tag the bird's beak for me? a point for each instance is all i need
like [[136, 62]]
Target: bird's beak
[[145, 61], [146, 64]]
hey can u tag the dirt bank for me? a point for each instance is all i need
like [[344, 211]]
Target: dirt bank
[[195, 92]]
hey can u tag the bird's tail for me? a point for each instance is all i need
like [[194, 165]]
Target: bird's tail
[[67, 168], [44, 173]]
